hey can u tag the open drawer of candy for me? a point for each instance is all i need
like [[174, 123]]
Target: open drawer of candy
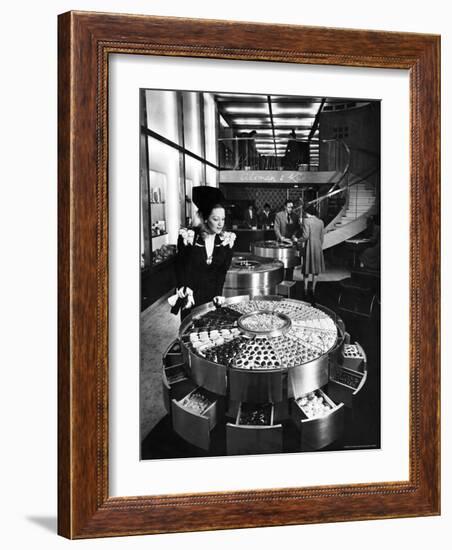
[[254, 430], [353, 357], [195, 415], [319, 419], [175, 373], [255, 415], [175, 383], [346, 384]]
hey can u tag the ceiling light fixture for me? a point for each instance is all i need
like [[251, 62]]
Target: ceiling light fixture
[[312, 111], [251, 121], [247, 109], [292, 121]]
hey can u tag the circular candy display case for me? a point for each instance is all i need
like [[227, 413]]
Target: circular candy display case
[[257, 365], [252, 275], [285, 253]]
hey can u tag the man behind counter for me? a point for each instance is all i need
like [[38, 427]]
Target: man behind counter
[[286, 223], [266, 217], [250, 216], [286, 228]]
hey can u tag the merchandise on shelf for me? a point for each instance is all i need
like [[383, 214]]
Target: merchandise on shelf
[[163, 253]]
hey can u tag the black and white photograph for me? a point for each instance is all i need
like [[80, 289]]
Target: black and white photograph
[[260, 273]]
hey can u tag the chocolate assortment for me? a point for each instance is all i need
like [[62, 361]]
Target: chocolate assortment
[[197, 401], [258, 353], [262, 321], [314, 405], [208, 343], [253, 305], [225, 335], [294, 351], [316, 340], [224, 353], [255, 415], [220, 317], [352, 351], [346, 377]]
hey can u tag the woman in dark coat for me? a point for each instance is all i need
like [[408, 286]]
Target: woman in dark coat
[[204, 254], [312, 234]]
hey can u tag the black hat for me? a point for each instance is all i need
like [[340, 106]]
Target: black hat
[[206, 198]]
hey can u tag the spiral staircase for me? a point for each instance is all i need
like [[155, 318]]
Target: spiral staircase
[[354, 196], [360, 203]]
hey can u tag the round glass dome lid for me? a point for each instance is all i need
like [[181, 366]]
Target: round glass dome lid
[[264, 323]]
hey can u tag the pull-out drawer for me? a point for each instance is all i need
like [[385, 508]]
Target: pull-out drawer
[[353, 357], [318, 418], [209, 375], [173, 354], [195, 415], [307, 377], [254, 431], [346, 385], [253, 386], [175, 384], [280, 411]]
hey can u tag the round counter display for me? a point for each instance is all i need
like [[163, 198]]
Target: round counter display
[[259, 334], [252, 275], [285, 253], [262, 362]]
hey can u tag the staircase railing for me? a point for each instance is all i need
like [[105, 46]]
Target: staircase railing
[[347, 163], [333, 190], [345, 190], [356, 180]]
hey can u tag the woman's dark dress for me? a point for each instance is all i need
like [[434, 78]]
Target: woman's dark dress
[[313, 232], [193, 271]]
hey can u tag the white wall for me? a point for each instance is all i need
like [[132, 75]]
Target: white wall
[[28, 289]]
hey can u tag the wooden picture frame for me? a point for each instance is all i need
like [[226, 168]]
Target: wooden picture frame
[[86, 40]]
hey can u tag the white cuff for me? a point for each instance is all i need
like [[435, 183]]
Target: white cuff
[[173, 299]]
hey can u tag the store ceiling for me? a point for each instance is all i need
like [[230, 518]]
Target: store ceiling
[[273, 118]]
